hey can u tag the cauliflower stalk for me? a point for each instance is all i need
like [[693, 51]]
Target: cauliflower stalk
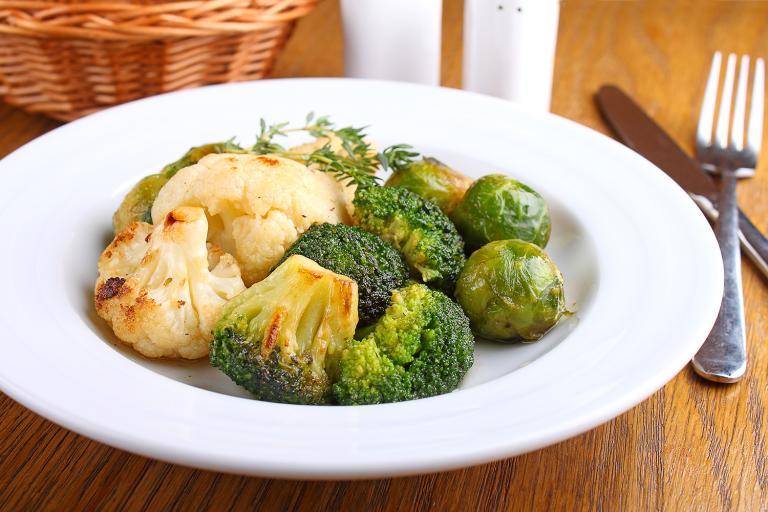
[[257, 205], [161, 288]]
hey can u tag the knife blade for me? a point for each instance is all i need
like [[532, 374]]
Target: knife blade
[[641, 133]]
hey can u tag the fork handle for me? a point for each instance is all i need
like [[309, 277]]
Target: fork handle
[[723, 357]]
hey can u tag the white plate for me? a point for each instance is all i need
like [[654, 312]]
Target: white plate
[[641, 265]]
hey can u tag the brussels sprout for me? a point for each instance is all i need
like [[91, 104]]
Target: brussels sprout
[[137, 203], [511, 291], [434, 181], [496, 207]]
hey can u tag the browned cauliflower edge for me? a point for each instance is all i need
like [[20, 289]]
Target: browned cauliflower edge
[[161, 288]]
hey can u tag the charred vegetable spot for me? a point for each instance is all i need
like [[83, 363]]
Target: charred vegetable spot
[[272, 162], [345, 287], [312, 274], [110, 288], [170, 220], [177, 215], [129, 312], [181, 214], [143, 299], [273, 330], [124, 236], [146, 238], [180, 303]]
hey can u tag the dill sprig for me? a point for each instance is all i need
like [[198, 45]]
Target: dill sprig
[[397, 157], [360, 172], [265, 141], [357, 162]]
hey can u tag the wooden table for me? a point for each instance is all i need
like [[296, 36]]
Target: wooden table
[[691, 446]]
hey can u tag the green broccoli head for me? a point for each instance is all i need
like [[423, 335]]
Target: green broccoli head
[[421, 347], [432, 247], [282, 337], [366, 376], [353, 252]]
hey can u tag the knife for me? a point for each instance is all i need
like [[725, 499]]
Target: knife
[[641, 133]]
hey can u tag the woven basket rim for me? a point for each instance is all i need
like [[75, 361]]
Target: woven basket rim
[[129, 20]]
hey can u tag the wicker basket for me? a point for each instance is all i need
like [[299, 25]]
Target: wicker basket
[[68, 58]]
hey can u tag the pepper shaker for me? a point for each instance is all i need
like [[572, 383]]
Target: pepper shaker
[[392, 39], [509, 49]]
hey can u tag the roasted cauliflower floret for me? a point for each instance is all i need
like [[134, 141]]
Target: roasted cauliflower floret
[[161, 288], [257, 205], [344, 194]]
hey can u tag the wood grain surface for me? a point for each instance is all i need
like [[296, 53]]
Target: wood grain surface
[[691, 446]]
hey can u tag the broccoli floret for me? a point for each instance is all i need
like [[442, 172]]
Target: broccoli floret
[[366, 376], [421, 347], [282, 337], [432, 247], [353, 252]]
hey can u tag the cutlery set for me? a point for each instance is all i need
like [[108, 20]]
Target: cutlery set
[[729, 153]]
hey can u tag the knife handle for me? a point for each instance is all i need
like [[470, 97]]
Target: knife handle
[[753, 242]]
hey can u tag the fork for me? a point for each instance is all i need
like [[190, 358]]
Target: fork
[[723, 357]]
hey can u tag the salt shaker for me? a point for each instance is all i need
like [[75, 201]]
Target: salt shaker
[[509, 49], [392, 39]]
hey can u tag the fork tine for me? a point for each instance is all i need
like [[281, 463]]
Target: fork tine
[[755, 130], [724, 115], [707, 115], [740, 106]]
